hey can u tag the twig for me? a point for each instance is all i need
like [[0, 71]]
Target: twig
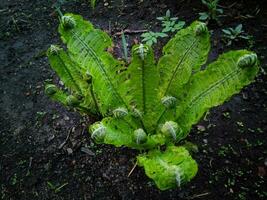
[[29, 167], [67, 138], [128, 31], [211, 162], [198, 195], [15, 23], [132, 169]]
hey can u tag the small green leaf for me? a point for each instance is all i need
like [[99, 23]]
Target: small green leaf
[[226, 31], [238, 29], [168, 13], [169, 169]]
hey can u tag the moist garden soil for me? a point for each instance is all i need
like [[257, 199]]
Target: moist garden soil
[[45, 149]]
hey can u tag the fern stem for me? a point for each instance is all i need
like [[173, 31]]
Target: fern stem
[[143, 87], [59, 11], [176, 69], [124, 45], [94, 98], [161, 116]]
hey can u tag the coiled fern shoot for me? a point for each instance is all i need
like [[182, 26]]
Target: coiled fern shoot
[[147, 104]]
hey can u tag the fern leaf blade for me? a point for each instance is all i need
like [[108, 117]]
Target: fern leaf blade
[[187, 51], [143, 81], [88, 48], [168, 169], [213, 86]]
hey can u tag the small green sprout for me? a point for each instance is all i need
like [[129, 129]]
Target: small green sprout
[[231, 35], [213, 12], [151, 38], [170, 24]]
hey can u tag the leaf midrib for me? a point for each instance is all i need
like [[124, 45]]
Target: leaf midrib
[[100, 64], [179, 65], [230, 75], [69, 73]]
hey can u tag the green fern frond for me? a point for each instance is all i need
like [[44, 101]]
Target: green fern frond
[[87, 47], [142, 83], [186, 52], [211, 87], [71, 75]]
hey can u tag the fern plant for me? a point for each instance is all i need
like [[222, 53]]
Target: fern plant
[[148, 104]]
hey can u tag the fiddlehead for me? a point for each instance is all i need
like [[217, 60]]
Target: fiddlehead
[[50, 89], [172, 129], [141, 51], [247, 60], [98, 132], [120, 112], [140, 137], [68, 22], [200, 29], [169, 101], [73, 101]]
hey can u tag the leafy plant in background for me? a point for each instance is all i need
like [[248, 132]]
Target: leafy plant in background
[[168, 23], [151, 37], [59, 3], [213, 11], [231, 35], [147, 105]]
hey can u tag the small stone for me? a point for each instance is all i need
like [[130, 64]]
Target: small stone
[[70, 151], [265, 162], [106, 4], [201, 128], [51, 138], [261, 171], [66, 118], [87, 151]]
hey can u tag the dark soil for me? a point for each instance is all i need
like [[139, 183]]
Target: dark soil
[[232, 139]]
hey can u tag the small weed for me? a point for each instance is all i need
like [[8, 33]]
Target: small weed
[[231, 35], [212, 13], [169, 25], [14, 179], [227, 115], [56, 188], [151, 38]]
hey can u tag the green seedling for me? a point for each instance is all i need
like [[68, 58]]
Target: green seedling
[[170, 24], [231, 35], [212, 13], [151, 38]]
